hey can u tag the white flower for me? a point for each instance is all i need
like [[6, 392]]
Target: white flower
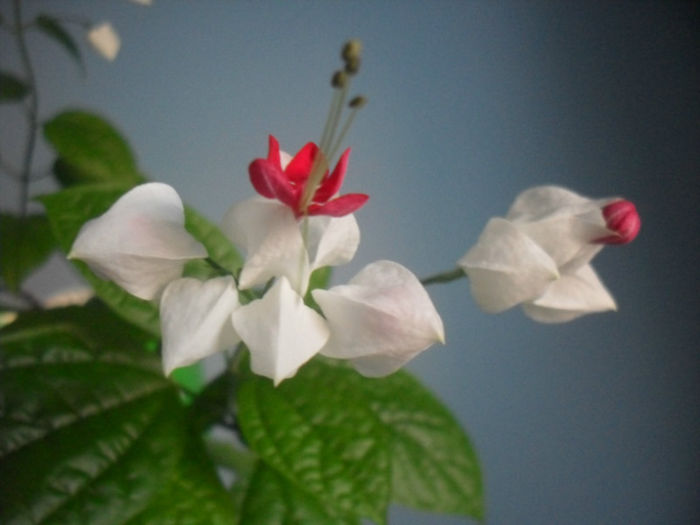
[[273, 240], [105, 40], [380, 320], [281, 332], [539, 255], [195, 319], [140, 243]]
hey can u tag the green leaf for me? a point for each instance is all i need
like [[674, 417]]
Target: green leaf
[[434, 466], [219, 248], [90, 150], [67, 210], [52, 28], [294, 428], [319, 279], [94, 434], [93, 325], [330, 448], [270, 499], [25, 244], [12, 88]]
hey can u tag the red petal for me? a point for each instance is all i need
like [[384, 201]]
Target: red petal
[[331, 185], [299, 167], [269, 181], [343, 205], [273, 151]]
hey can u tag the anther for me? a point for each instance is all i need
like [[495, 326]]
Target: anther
[[352, 65], [351, 50], [358, 102], [339, 79]]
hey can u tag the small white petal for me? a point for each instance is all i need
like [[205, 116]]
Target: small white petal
[[140, 243], [543, 201], [105, 40], [571, 296], [269, 233], [505, 267], [281, 332], [332, 240], [381, 319], [195, 319]]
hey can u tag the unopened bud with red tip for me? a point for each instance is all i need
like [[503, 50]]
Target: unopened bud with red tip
[[622, 218]]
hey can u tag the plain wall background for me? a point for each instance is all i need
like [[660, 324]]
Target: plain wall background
[[594, 421]]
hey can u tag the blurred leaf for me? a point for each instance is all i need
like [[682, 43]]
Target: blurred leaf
[[270, 499], [190, 377], [25, 244], [67, 210], [313, 430], [12, 88], [93, 325], [52, 28], [220, 249], [212, 404], [90, 150], [94, 434]]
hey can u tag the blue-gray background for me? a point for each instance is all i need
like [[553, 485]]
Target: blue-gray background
[[595, 421]]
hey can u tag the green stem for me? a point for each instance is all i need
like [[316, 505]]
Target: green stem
[[32, 109], [444, 277]]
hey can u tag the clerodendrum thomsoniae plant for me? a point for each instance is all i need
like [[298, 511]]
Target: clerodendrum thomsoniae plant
[[310, 412]]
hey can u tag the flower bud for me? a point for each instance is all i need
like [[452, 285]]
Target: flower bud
[[622, 218]]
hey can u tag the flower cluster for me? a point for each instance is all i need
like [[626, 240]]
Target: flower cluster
[[379, 320], [539, 255]]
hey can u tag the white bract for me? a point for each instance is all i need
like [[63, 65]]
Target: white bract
[[195, 319], [105, 40], [380, 320], [140, 243], [273, 240], [538, 256], [281, 332]]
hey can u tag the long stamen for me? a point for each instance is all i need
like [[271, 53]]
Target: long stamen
[[335, 101], [335, 117], [355, 104], [329, 144]]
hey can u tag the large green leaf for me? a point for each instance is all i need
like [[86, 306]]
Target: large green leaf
[[67, 211], [307, 428], [313, 431], [25, 244], [52, 28], [90, 149], [434, 466], [270, 499], [94, 434], [12, 88]]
